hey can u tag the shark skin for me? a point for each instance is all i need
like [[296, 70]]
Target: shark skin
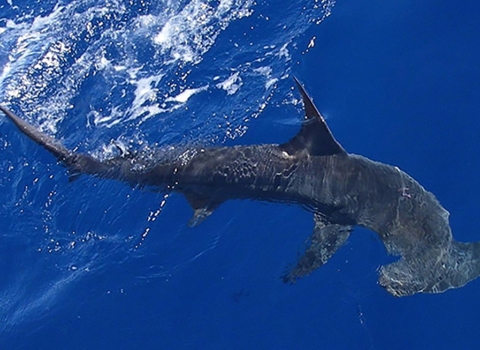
[[312, 170]]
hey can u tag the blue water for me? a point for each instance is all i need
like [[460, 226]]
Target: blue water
[[93, 264]]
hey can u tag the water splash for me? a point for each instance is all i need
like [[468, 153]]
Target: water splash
[[123, 65]]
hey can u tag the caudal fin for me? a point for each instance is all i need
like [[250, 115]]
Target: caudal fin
[[76, 163], [52, 145]]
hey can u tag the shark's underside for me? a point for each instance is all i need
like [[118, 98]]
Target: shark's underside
[[313, 170]]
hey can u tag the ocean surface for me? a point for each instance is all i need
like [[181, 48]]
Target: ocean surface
[[94, 264]]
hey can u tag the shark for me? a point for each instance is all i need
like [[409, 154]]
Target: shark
[[341, 190]]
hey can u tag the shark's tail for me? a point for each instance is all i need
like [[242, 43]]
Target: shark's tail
[[52, 145], [76, 163]]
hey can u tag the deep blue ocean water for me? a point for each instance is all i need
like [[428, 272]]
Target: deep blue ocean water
[[93, 264]]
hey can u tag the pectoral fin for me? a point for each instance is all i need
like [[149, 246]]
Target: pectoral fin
[[199, 215], [324, 242], [202, 207]]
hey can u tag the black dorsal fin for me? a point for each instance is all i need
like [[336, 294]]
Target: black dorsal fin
[[314, 137]]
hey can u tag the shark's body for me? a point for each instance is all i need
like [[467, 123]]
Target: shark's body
[[312, 170]]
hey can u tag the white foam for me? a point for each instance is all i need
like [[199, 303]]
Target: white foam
[[232, 84], [186, 94], [146, 90], [283, 52], [187, 35]]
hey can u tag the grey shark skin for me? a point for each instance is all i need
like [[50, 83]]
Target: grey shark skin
[[312, 170]]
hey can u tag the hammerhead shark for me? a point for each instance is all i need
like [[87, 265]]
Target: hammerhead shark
[[314, 171]]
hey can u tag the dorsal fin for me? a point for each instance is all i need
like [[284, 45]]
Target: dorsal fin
[[314, 137]]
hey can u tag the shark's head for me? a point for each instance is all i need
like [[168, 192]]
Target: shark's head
[[434, 271]]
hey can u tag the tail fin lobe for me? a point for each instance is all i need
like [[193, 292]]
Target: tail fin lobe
[[49, 143]]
